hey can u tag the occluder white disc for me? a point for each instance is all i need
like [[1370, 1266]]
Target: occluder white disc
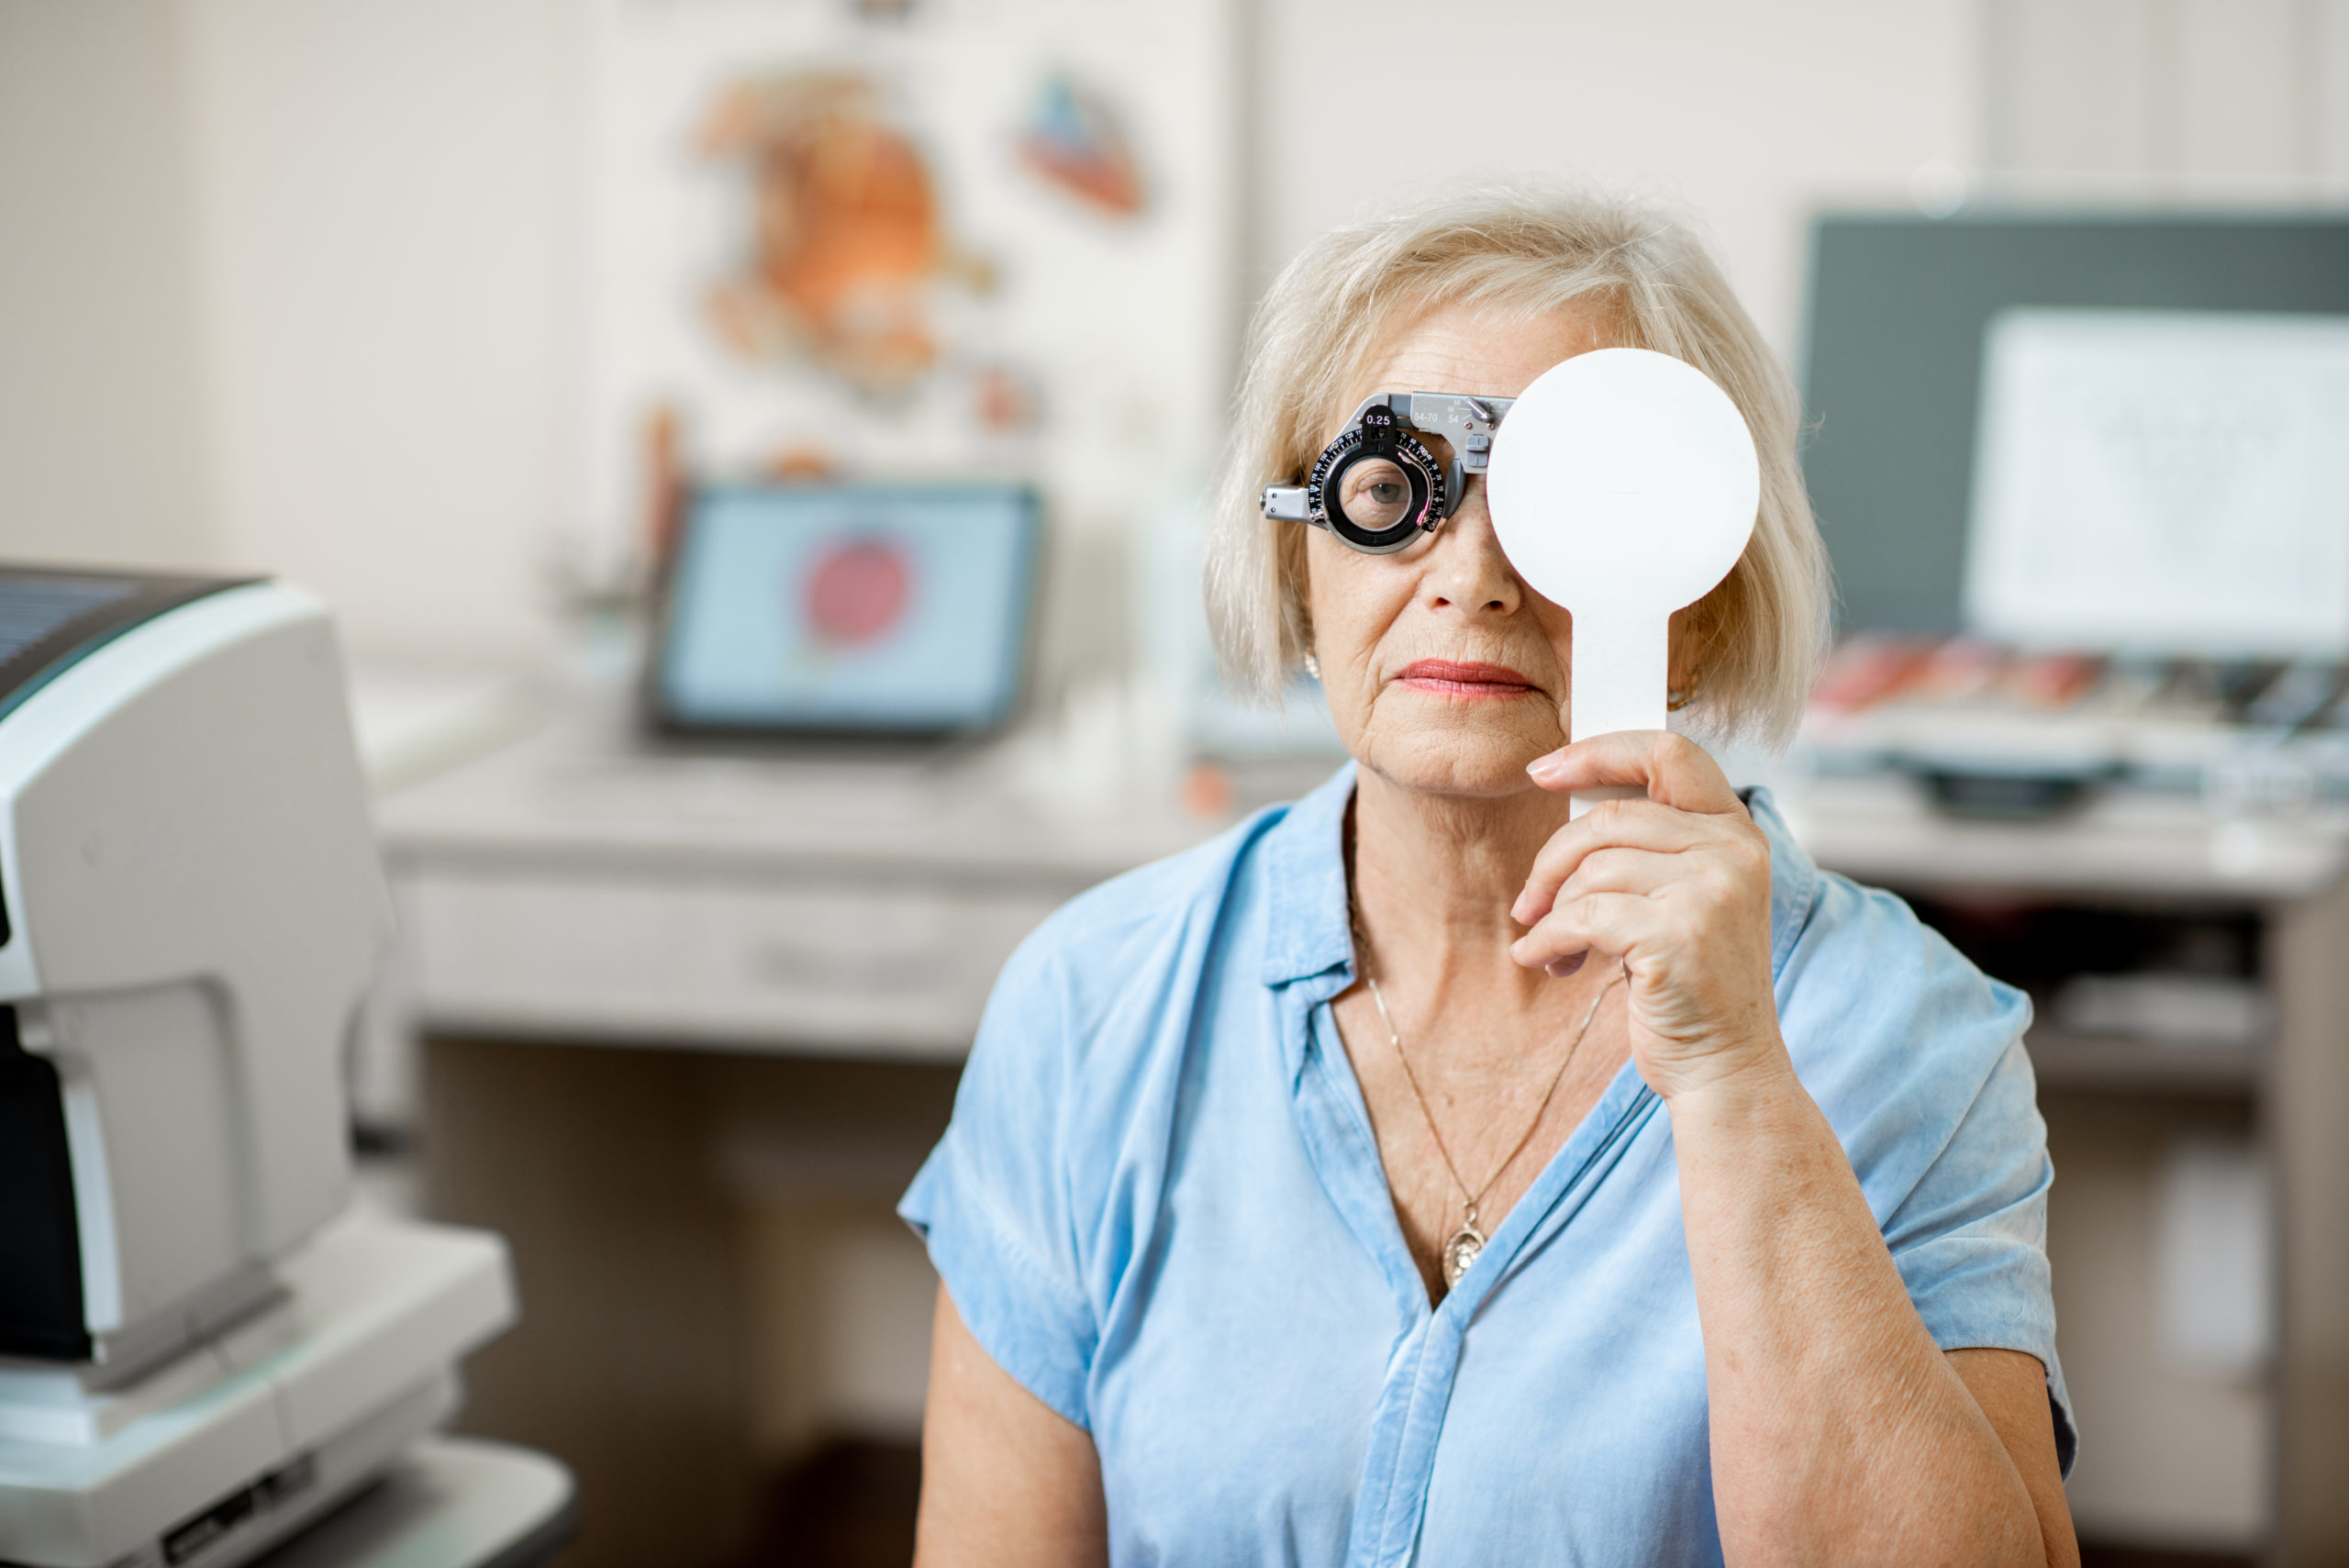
[[1626, 478]]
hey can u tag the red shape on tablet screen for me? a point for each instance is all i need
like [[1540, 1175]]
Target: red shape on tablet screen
[[858, 592]]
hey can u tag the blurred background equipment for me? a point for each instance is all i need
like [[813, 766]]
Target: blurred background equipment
[[197, 1355], [807, 609], [1901, 310], [2084, 479], [2170, 481]]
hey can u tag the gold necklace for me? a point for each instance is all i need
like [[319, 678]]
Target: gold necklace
[[1460, 1249]]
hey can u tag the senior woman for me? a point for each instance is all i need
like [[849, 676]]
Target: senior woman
[[1309, 1199]]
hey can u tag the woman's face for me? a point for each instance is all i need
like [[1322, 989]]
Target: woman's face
[[1446, 673]]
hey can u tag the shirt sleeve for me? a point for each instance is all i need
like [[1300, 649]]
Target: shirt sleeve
[[1971, 1238], [992, 1202], [1917, 1059]]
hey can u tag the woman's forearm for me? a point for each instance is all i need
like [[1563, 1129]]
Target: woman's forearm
[[1840, 1432]]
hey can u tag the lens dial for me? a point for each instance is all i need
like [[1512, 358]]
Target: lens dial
[[1376, 488]]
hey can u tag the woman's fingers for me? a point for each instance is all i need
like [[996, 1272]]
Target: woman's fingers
[[1616, 869], [1625, 824], [1609, 923], [1638, 873], [1690, 800], [1672, 769], [1690, 901]]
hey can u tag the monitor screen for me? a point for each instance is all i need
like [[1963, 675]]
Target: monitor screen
[[882, 609], [1901, 314], [2163, 482]]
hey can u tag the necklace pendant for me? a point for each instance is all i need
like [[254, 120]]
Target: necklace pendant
[[1460, 1250]]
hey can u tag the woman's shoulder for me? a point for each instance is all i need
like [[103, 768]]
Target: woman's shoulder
[[1873, 1000]]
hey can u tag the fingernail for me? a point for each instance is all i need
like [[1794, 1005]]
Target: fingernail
[[1563, 968], [1548, 768]]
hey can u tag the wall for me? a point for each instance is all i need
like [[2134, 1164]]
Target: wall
[[104, 452], [385, 191], [1746, 114], [2192, 98]]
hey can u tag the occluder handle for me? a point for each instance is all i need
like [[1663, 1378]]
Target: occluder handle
[[1622, 666]]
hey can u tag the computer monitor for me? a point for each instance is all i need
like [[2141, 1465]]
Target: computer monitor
[[1900, 308], [875, 611]]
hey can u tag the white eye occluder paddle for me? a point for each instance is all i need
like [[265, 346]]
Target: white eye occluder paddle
[[1623, 487]]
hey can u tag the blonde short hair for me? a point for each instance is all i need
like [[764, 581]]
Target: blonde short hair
[[1513, 254]]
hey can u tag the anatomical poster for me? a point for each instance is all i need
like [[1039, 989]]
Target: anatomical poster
[[923, 239]]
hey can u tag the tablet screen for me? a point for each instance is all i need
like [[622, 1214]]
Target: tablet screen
[[887, 609]]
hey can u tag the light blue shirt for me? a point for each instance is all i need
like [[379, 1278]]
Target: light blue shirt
[[1160, 1207]]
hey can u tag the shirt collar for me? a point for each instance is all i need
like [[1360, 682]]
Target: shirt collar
[[1304, 873], [1305, 876]]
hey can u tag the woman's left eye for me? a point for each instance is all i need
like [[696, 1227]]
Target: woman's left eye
[[1375, 493]]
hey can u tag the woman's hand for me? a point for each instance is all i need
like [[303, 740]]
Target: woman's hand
[[1677, 887]]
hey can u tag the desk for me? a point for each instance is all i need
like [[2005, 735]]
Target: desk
[[1880, 830], [720, 921], [570, 887]]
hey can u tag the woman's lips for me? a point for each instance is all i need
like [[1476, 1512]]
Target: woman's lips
[[1447, 677]]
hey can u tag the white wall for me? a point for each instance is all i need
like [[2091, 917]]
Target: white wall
[[2226, 98], [102, 455], [385, 195], [1747, 114], [291, 284], [284, 285]]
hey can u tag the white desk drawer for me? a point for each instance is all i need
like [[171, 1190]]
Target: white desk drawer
[[901, 970]]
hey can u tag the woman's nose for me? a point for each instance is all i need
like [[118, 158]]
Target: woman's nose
[[1467, 569]]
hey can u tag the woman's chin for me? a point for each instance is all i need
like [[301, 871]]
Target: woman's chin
[[1484, 761]]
